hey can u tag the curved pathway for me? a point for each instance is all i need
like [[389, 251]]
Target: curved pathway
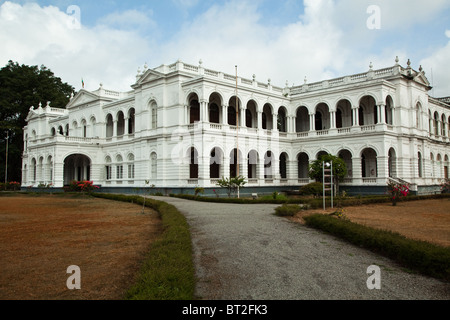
[[244, 252]]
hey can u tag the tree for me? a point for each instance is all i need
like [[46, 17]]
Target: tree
[[21, 87], [232, 184], [339, 169]]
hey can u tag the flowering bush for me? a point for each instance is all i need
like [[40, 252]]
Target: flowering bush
[[445, 186], [340, 214], [82, 186], [397, 190], [10, 186]]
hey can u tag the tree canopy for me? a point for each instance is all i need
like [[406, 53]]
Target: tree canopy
[[21, 87], [339, 168]]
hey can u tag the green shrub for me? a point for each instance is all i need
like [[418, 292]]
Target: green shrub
[[424, 257], [312, 189], [287, 210], [199, 190]]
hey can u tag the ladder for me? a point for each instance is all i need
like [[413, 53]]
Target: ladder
[[327, 181]]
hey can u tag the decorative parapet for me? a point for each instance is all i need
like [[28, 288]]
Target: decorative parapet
[[356, 78]]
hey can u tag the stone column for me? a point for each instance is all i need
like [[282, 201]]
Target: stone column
[[332, 119], [225, 114], [114, 128], [312, 121], [382, 113], [274, 122], [259, 116], [242, 117], [126, 127], [356, 170]]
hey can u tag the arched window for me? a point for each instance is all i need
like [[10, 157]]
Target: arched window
[[235, 163], [154, 166], [193, 163], [214, 113], [131, 121], [120, 124], [33, 170], [194, 111], [109, 126], [268, 160], [252, 163], [93, 122], [369, 163], [283, 166], [392, 163], [231, 115], [154, 111], [131, 166], [215, 163], [302, 120], [436, 123], [267, 117], [282, 120], [84, 128], [303, 166], [420, 164], [389, 111], [108, 168], [119, 167], [418, 123], [49, 169]]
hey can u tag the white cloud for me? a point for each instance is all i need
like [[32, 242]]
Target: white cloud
[[235, 33], [36, 35], [437, 66], [128, 20], [330, 39]]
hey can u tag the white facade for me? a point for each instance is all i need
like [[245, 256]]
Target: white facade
[[177, 129]]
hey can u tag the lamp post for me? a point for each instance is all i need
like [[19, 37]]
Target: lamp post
[[6, 158]]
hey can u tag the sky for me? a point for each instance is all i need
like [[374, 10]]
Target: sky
[[107, 41]]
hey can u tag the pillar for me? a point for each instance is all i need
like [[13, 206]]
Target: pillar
[[312, 121]]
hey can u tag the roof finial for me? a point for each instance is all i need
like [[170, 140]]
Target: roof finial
[[370, 65], [409, 63], [396, 60]]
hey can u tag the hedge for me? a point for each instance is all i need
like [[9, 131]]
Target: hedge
[[424, 257]]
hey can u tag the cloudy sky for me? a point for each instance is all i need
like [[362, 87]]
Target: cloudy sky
[[285, 40]]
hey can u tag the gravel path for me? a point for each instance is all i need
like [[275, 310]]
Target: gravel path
[[244, 252]]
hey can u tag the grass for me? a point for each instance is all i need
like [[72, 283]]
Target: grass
[[420, 256], [168, 270]]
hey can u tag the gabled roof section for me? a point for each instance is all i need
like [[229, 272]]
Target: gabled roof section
[[417, 76], [147, 76], [420, 78], [82, 97]]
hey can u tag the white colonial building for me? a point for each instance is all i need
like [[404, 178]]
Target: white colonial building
[[179, 128]]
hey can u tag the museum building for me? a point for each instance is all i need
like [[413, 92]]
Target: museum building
[[183, 126]]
